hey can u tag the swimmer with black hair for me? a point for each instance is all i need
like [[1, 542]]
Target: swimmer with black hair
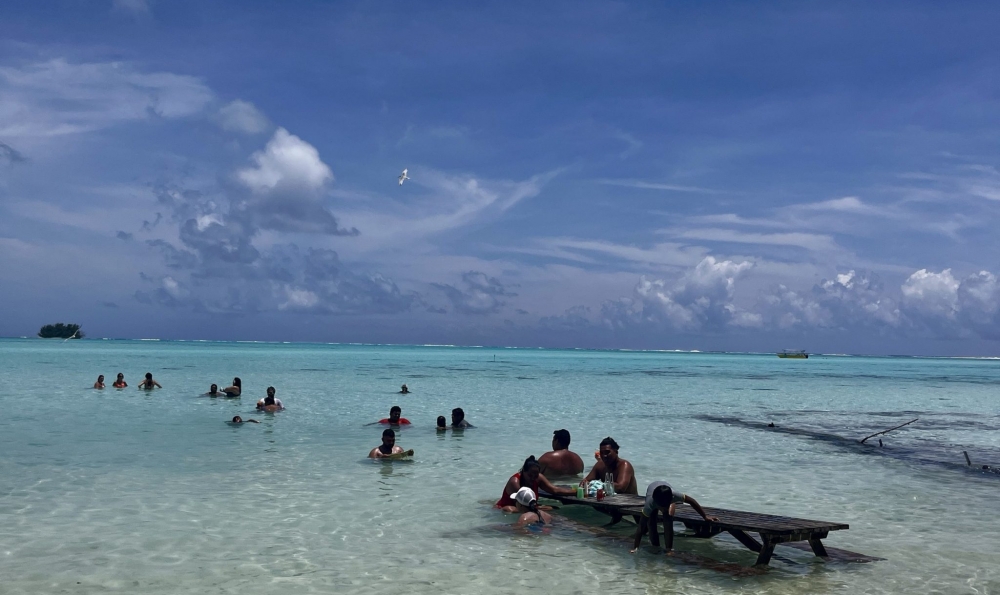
[[404, 390], [442, 423], [529, 476], [620, 469], [236, 389], [149, 383], [388, 448], [100, 381], [458, 420], [239, 420], [213, 391], [269, 403], [120, 381]]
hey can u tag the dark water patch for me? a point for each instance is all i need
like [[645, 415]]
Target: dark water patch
[[763, 389], [918, 451], [526, 378], [314, 370]]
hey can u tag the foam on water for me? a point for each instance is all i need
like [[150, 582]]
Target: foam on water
[[152, 492]]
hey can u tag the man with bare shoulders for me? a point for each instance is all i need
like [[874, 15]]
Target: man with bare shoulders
[[620, 469], [388, 448], [561, 460]]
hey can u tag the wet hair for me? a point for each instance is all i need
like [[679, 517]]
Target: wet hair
[[533, 507], [395, 408], [237, 382], [609, 441], [457, 412], [270, 391], [237, 419], [149, 375], [663, 495], [442, 421], [269, 400], [100, 376], [120, 375], [214, 387], [528, 464], [388, 433], [562, 437]]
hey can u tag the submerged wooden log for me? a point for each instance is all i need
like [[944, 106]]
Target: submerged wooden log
[[889, 430]]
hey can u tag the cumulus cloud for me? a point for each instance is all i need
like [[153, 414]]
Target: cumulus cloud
[[242, 116], [478, 294], [849, 300], [701, 299], [286, 181], [58, 97]]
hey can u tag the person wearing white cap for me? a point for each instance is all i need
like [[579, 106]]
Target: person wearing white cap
[[527, 506]]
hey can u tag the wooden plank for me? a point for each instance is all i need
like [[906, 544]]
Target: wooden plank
[[728, 519], [766, 551], [817, 547]]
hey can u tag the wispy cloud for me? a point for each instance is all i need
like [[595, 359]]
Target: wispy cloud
[[658, 186]]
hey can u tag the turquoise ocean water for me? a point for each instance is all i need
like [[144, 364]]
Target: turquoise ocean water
[[152, 492]]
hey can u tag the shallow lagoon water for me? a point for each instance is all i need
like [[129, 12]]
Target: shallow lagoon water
[[152, 492]]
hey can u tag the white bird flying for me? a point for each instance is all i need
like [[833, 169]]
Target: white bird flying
[[402, 177]]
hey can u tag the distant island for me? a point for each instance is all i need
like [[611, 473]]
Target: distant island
[[60, 331]]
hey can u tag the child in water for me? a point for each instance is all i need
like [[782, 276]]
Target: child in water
[[442, 423]]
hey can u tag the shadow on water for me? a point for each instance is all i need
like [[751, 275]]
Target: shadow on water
[[920, 451]]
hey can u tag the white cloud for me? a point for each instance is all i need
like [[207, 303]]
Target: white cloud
[[286, 162], [931, 294], [809, 241], [58, 97], [299, 299], [702, 299], [242, 116], [657, 186]]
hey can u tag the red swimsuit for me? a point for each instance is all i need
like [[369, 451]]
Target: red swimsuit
[[507, 500]]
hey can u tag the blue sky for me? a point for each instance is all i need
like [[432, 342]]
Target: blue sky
[[632, 175]]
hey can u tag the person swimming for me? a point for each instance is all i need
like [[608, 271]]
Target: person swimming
[[404, 390], [394, 418], [458, 419], [561, 460], [149, 383], [239, 420], [100, 381], [213, 391], [120, 381], [442, 423], [388, 447], [526, 505], [270, 403], [529, 476], [236, 389]]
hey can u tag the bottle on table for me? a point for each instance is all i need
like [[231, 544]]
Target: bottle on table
[[609, 484]]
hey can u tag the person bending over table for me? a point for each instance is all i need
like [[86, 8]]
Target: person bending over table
[[662, 499]]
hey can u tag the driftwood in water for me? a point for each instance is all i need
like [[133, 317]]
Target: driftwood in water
[[968, 461], [889, 430]]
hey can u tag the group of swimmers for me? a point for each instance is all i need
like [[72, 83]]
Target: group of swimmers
[[268, 404], [388, 448], [147, 383], [520, 494]]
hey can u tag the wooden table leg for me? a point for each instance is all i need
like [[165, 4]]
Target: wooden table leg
[[764, 557], [818, 548], [745, 539]]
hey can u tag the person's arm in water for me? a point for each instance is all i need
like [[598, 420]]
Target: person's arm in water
[[156, 383], [640, 529], [547, 485]]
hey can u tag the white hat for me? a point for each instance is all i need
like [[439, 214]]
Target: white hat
[[524, 496]]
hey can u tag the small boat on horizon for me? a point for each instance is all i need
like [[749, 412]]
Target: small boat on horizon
[[786, 354]]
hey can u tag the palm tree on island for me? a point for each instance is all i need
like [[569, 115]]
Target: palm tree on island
[[60, 330]]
